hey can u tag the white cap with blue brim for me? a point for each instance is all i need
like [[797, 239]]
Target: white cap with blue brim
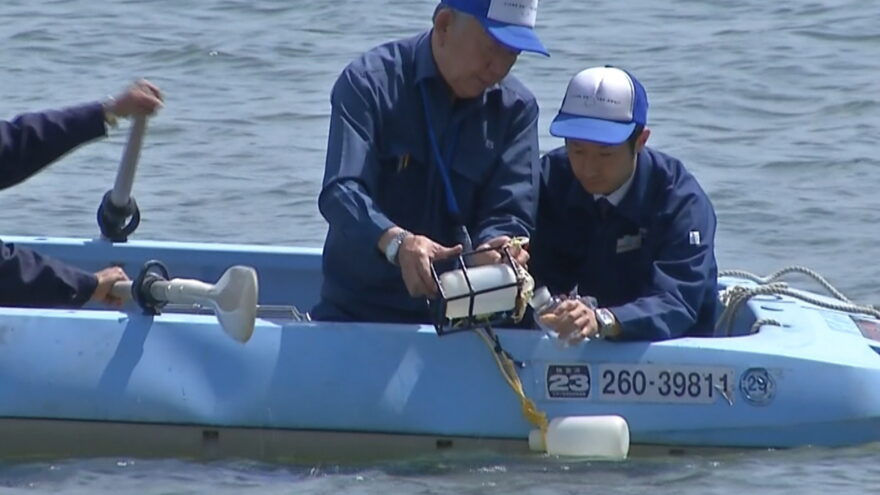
[[601, 105], [510, 22]]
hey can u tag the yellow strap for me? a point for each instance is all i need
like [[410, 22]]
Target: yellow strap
[[508, 370]]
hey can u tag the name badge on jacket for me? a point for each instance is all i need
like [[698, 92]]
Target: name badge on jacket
[[629, 243]]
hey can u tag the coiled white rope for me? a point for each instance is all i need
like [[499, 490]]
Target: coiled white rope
[[733, 297], [789, 269]]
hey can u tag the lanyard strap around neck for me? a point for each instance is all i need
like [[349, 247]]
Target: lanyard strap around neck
[[451, 203]]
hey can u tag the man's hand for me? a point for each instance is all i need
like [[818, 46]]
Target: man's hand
[[573, 320], [106, 278], [520, 255], [416, 254], [141, 98]]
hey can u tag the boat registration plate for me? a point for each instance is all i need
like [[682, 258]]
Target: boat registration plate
[[665, 384]]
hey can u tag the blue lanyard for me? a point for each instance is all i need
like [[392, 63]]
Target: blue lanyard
[[451, 203]]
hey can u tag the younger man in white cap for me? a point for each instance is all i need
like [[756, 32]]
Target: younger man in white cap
[[621, 222]]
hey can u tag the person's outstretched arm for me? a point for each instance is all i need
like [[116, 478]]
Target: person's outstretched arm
[[32, 141], [29, 279]]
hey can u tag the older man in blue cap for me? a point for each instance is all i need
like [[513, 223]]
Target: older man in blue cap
[[620, 222], [433, 148]]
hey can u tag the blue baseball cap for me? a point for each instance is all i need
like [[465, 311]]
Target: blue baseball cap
[[602, 105], [510, 22]]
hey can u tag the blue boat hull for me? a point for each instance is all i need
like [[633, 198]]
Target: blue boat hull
[[812, 381]]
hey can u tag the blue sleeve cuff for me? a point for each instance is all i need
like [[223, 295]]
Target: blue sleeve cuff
[[346, 206], [636, 324], [29, 279]]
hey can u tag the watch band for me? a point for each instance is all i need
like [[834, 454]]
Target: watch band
[[606, 320], [393, 247], [109, 116]]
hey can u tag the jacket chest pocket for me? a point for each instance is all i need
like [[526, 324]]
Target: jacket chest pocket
[[472, 166], [633, 259], [403, 190], [402, 160]]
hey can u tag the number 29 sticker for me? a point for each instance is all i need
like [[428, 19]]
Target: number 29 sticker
[[568, 381], [757, 386]]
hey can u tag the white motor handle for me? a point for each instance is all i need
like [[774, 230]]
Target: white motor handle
[[121, 192]]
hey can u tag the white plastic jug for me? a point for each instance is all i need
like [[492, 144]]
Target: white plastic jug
[[481, 277], [600, 437]]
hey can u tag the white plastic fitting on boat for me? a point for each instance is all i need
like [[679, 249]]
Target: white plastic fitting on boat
[[599, 437]]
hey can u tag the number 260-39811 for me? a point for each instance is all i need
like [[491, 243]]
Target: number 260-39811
[[664, 383]]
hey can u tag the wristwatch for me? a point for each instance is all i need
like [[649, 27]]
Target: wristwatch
[[110, 116], [393, 246], [607, 321]]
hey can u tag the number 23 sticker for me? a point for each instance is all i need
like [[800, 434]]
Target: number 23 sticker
[[568, 381]]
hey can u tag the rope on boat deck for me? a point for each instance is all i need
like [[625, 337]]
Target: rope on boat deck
[[734, 297], [789, 269], [507, 367]]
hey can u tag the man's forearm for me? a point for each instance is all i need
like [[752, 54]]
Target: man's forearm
[[34, 140]]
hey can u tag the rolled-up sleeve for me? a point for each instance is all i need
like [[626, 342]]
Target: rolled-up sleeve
[[33, 140], [509, 200], [683, 275], [352, 168]]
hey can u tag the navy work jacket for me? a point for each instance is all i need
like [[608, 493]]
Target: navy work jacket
[[650, 259], [27, 144], [381, 172]]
